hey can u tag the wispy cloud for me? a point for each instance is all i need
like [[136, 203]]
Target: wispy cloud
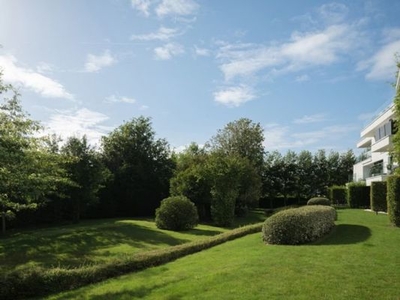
[[177, 7], [234, 96], [78, 123], [117, 99], [32, 80], [303, 50], [333, 12], [168, 51], [283, 137], [202, 51], [302, 78], [382, 66], [95, 63], [44, 68], [310, 119], [142, 5], [162, 34]]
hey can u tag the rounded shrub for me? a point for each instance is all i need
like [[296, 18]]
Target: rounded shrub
[[299, 225], [177, 213], [319, 201]]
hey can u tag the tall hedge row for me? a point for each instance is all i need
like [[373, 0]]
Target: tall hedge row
[[358, 195], [338, 194], [393, 199], [378, 196]]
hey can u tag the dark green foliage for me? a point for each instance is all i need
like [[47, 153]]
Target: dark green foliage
[[338, 194], [176, 213], [299, 225], [40, 282], [276, 202], [319, 201], [358, 195], [141, 167], [393, 199], [378, 196]]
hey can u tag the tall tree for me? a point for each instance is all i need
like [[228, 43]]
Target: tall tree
[[141, 166], [85, 168], [29, 171]]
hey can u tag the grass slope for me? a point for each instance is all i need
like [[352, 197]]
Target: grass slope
[[360, 259]]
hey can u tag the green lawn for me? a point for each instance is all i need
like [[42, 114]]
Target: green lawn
[[360, 259], [96, 241]]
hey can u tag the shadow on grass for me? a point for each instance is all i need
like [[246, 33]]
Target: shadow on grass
[[346, 234], [85, 245]]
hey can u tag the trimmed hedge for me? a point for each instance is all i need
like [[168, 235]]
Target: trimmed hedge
[[319, 201], [299, 225], [338, 194], [378, 196], [393, 199], [358, 195], [39, 282], [177, 213]]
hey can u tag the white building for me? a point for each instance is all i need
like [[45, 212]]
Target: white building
[[375, 163]]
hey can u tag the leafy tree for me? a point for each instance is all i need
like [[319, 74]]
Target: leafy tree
[[241, 137], [85, 168], [320, 174], [29, 171], [141, 167], [305, 174]]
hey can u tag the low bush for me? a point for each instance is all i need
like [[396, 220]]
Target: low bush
[[358, 195], [319, 201], [338, 195], [378, 196], [299, 225], [177, 213], [393, 199], [38, 282]]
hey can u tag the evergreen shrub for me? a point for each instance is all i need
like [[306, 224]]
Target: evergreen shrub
[[338, 194], [319, 201], [393, 199], [378, 196], [358, 195], [299, 225], [176, 213]]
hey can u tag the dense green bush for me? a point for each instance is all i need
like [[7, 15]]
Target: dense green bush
[[299, 225], [319, 201], [39, 281], [378, 196], [176, 213], [393, 199], [338, 194], [358, 195]]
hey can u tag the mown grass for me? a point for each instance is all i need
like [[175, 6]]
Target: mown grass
[[360, 259], [96, 241]]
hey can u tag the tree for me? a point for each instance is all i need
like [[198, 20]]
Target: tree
[[29, 171], [241, 137], [305, 174], [85, 168], [141, 167]]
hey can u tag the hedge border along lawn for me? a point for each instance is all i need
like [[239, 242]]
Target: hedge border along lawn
[[299, 225], [378, 196], [40, 282], [393, 199]]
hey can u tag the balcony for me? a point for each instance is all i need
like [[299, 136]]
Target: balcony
[[383, 145], [380, 177]]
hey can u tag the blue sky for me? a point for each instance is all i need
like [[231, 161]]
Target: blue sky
[[310, 72]]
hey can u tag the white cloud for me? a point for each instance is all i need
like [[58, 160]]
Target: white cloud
[[301, 51], [333, 12], [302, 78], [96, 62], [234, 96], [163, 34], [30, 79], [143, 107], [284, 137], [201, 51], [78, 123], [116, 99], [44, 68], [142, 6], [168, 51], [177, 7], [382, 66], [310, 119]]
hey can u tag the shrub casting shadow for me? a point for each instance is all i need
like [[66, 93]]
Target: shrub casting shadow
[[346, 234]]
